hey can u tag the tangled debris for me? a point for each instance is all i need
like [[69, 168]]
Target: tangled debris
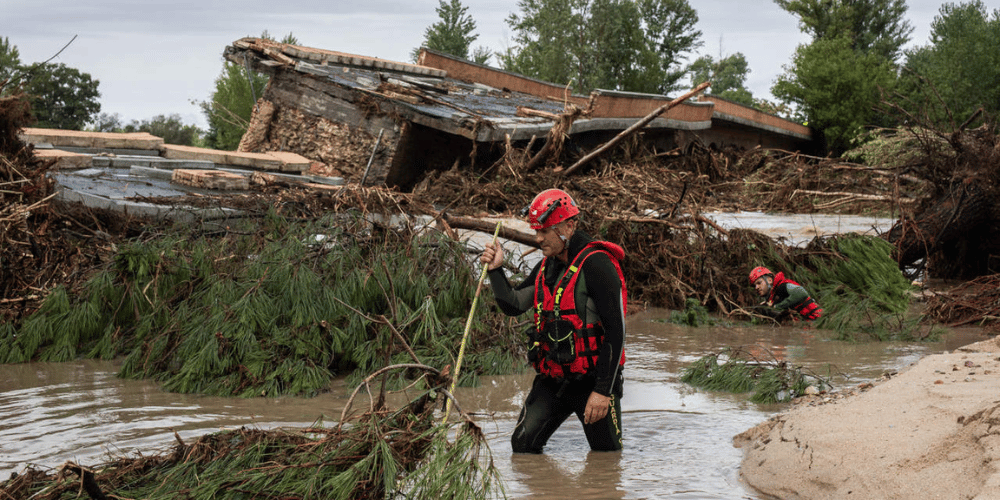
[[973, 302], [648, 201], [954, 231]]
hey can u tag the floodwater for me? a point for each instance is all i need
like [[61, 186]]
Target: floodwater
[[678, 440]]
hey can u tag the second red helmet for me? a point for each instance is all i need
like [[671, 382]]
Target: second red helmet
[[757, 273], [551, 207]]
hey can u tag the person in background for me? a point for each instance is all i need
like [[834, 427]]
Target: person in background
[[577, 341], [782, 295]]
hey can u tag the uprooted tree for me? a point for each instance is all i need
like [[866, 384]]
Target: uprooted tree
[[954, 232]]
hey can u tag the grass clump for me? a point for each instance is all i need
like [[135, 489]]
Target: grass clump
[[694, 314], [738, 371]]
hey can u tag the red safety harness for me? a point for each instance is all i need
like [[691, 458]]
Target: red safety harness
[[559, 323], [808, 308]]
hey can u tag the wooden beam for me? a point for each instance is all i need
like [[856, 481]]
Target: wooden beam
[[486, 226]]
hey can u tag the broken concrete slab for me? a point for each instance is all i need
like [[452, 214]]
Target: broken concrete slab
[[126, 161], [117, 184], [140, 209], [292, 162], [152, 153], [151, 172]]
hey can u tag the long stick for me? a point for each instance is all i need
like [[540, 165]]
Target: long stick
[[468, 326], [372, 157], [635, 126]]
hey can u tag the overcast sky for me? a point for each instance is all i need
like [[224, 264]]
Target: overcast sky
[[155, 57]]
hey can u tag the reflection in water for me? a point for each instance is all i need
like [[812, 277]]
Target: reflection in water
[[598, 476], [678, 440]]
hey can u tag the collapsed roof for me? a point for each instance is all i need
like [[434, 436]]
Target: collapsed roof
[[397, 120]]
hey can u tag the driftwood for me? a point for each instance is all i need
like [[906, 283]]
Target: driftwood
[[87, 481], [847, 197], [488, 227], [523, 111], [635, 127]]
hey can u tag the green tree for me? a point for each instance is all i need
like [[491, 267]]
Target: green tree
[[632, 45], [61, 97], [947, 80], [236, 92], [670, 27], [106, 122], [613, 53], [171, 129], [827, 80], [836, 87], [453, 33], [728, 77], [544, 39], [10, 60], [873, 26]]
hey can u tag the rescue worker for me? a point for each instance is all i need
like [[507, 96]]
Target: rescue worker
[[782, 295], [577, 340]]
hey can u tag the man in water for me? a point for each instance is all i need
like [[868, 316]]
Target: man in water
[[576, 345], [782, 295]]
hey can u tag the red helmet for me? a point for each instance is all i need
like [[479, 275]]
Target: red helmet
[[551, 207], [758, 272]]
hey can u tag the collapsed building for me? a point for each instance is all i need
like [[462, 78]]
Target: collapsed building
[[393, 121], [328, 117]]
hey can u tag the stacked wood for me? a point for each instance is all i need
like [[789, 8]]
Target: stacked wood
[[283, 162], [93, 140]]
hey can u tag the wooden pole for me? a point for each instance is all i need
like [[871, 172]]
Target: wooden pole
[[636, 126], [465, 336]]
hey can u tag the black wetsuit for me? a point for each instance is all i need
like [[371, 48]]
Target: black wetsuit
[[552, 400]]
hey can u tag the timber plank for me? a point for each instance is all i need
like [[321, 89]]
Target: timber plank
[[96, 140], [211, 179], [283, 161], [65, 160]]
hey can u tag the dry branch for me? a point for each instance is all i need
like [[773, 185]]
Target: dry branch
[[853, 196]]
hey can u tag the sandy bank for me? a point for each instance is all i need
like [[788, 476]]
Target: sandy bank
[[931, 431]]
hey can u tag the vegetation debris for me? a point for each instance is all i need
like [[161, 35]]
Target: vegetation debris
[[741, 370], [381, 454]]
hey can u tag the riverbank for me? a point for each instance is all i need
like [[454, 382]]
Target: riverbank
[[927, 432]]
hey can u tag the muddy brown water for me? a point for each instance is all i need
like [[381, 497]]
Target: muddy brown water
[[678, 440]]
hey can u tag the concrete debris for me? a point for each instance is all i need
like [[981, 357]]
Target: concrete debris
[[211, 179], [121, 171]]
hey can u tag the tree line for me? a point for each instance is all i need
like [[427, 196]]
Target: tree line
[[842, 82]]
